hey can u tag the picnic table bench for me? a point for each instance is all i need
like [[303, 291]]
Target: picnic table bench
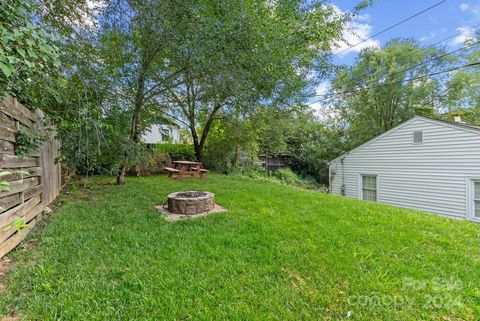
[[182, 168]]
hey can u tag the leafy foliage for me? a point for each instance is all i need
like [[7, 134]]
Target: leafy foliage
[[26, 142], [27, 51], [176, 151], [5, 186], [379, 93]]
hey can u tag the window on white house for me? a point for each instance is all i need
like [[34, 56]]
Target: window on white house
[[418, 137], [476, 199], [369, 188]]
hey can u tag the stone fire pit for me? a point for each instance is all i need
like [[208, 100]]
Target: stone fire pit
[[189, 204]]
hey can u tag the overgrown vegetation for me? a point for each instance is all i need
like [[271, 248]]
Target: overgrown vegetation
[[239, 86], [176, 151], [27, 142], [280, 254]]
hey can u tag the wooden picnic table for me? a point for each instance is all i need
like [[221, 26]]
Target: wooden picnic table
[[182, 168]]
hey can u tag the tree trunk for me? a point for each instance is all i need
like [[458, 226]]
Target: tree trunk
[[121, 174], [196, 145], [237, 156], [134, 134]]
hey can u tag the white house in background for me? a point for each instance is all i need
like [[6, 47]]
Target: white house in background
[[162, 131], [423, 164]]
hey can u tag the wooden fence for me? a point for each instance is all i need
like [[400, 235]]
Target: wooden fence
[[272, 163], [21, 207]]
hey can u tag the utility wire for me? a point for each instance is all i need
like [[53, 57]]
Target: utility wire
[[396, 82], [391, 27], [417, 65], [436, 58]]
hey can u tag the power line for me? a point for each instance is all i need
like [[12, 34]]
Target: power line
[[396, 82], [437, 57], [418, 65], [449, 37], [391, 27]]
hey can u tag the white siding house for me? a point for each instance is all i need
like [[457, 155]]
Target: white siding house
[[162, 132], [424, 164]]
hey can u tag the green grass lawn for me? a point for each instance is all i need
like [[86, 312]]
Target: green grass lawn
[[281, 253]]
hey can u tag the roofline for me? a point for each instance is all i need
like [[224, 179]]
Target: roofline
[[472, 128], [469, 128]]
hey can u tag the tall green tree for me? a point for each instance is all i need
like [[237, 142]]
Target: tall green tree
[[378, 91], [240, 55], [201, 61], [463, 97], [133, 40]]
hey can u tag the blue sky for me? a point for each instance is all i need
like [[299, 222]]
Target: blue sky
[[453, 16], [461, 17]]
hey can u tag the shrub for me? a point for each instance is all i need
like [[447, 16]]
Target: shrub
[[157, 157], [176, 151], [288, 177], [152, 163], [283, 176]]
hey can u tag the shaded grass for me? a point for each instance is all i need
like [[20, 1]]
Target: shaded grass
[[280, 254]]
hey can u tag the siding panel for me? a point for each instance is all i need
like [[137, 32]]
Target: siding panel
[[430, 176]]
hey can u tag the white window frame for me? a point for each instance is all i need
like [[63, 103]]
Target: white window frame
[[360, 186], [470, 182]]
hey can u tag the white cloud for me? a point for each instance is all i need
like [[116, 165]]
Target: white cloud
[[466, 33], [431, 35], [323, 88], [464, 6], [89, 16], [357, 30], [319, 106]]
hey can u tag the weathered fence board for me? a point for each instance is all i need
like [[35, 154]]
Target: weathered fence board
[[7, 147], [14, 161], [51, 176], [9, 201], [8, 231], [7, 121], [30, 193], [19, 236], [20, 186], [7, 134], [14, 176], [18, 211], [11, 107]]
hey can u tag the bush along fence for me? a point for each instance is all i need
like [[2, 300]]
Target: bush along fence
[[29, 175]]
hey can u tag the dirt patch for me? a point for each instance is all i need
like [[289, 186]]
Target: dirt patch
[[10, 318], [29, 245], [5, 265]]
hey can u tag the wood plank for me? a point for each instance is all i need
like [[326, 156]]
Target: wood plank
[[20, 186], [7, 121], [17, 238], [32, 172], [9, 202], [7, 231], [7, 147], [12, 242], [34, 153], [51, 175], [11, 107], [18, 211], [13, 161], [29, 193], [7, 134]]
